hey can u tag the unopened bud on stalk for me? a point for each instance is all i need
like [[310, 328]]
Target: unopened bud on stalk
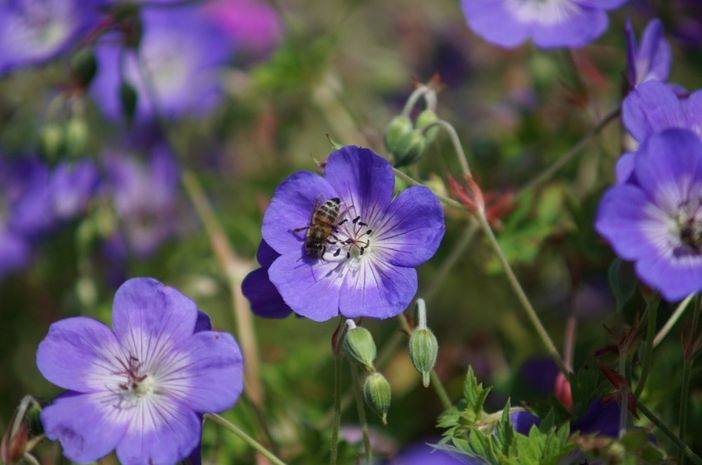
[[128, 98], [84, 67], [423, 346], [376, 391], [52, 141], [424, 120], [410, 148], [76, 136], [396, 130], [359, 345], [21, 435]]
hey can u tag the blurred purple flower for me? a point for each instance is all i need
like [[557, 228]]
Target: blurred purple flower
[[265, 299], [14, 250], [424, 454], [35, 31], [251, 24], [145, 198], [182, 52], [652, 60], [655, 219], [141, 386], [654, 107], [548, 23], [367, 268], [72, 187], [25, 182]]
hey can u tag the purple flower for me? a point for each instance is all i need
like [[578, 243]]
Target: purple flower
[[251, 24], [366, 265], [139, 387], [35, 31], [72, 187], [182, 52], [14, 251], [144, 198], [548, 23], [655, 219], [652, 60], [423, 454], [265, 299]]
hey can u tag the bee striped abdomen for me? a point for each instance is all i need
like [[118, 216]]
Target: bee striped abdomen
[[321, 227]]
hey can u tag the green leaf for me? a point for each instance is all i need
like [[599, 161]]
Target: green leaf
[[622, 282], [505, 430]]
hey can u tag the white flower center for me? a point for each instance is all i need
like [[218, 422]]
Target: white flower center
[[545, 12]]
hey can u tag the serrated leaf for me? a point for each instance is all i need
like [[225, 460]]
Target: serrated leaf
[[505, 430]]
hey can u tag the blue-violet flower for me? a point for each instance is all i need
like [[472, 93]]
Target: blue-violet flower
[[651, 61]]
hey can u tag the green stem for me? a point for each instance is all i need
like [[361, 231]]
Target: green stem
[[337, 408], [652, 315], [521, 295], [564, 159], [679, 443], [672, 320], [448, 201], [361, 414], [684, 398], [245, 437], [414, 97], [456, 141], [623, 411]]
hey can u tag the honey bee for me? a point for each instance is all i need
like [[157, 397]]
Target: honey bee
[[320, 231]]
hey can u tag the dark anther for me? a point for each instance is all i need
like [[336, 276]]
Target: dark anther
[[361, 223], [355, 220], [369, 231], [338, 251], [348, 254], [342, 222], [363, 249]]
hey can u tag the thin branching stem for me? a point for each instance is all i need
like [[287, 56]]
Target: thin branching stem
[[214, 418], [652, 316], [675, 439], [668, 326], [360, 407], [337, 409]]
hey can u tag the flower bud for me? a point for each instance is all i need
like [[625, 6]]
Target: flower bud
[[376, 391], [23, 432], [128, 97], [84, 67], [410, 148], [52, 141], [359, 345], [423, 348], [399, 127], [426, 118], [76, 136]]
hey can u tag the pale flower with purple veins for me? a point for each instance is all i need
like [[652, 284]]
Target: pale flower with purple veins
[[655, 218], [141, 387], [175, 70], [650, 60], [35, 31], [548, 23], [366, 264]]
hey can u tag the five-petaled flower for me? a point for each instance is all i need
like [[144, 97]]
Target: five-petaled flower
[[655, 217], [549, 23], [141, 387], [366, 266]]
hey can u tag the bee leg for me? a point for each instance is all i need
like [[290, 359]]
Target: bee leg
[[299, 229]]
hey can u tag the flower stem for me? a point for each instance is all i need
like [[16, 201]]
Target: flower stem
[[456, 141], [337, 408], [679, 443], [521, 295], [652, 315], [623, 410], [564, 159], [361, 413], [684, 398], [244, 436], [414, 97], [672, 320]]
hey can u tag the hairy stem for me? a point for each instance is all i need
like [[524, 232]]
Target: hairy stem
[[213, 417], [679, 443], [652, 316], [668, 326], [356, 386]]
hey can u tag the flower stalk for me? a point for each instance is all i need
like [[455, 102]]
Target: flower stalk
[[218, 419], [356, 386], [652, 317]]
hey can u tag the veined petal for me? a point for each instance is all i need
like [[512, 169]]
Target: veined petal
[[577, 28], [216, 372], [264, 297], [675, 277], [362, 179], [604, 4], [146, 310], [625, 167], [491, 20], [377, 290], [309, 287], [412, 229], [79, 354], [265, 255], [650, 108], [88, 426], [292, 207], [162, 431]]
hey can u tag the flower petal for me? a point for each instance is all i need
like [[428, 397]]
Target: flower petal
[[693, 108], [669, 168], [413, 228], [264, 297], [650, 108], [292, 206], [625, 167], [309, 287], [87, 425], [265, 255], [491, 21], [377, 290], [145, 308], [162, 431], [674, 277], [654, 54], [363, 180], [78, 354], [579, 28], [216, 373], [203, 322], [631, 223]]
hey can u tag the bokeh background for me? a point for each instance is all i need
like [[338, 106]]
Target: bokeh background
[[301, 71]]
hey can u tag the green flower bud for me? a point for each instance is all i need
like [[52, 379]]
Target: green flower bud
[[76, 136], [423, 349], [410, 148], [426, 118], [359, 345], [84, 67], [128, 97], [376, 391], [399, 127], [52, 140]]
